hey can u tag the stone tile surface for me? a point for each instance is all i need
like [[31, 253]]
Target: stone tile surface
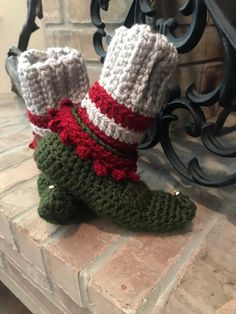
[[70, 305], [79, 12], [52, 11], [141, 263], [1, 260], [28, 268], [209, 283], [14, 203], [18, 174], [44, 305], [67, 256], [76, 38], [30, 232]]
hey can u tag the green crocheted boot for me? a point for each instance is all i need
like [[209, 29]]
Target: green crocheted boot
[[92, 154], [58, 206], [130, 204]]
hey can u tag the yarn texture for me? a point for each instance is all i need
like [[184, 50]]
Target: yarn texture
[[89, 160], [48, 76], [130, 204]]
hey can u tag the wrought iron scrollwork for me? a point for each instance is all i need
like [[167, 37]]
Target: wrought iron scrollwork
[[137, 14], [224, 94], [34, 9], [185, 43]]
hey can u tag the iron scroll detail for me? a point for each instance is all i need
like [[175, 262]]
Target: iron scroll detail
[[210, 133], [34, 9]]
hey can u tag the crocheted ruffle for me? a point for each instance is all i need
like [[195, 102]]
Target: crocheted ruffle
[[105, 162]]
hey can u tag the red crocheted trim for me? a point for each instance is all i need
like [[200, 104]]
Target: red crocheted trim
[[104, 162], [122, 115], [124, 147], [35, 141], [33, 144], [40, 121]]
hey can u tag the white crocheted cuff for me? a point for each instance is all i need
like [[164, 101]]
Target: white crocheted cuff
[[47, 76], [138, 67]]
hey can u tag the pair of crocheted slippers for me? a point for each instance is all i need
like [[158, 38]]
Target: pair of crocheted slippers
[[89, 137]]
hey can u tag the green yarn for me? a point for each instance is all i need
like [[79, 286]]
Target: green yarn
[[130, 204], [59, 207]]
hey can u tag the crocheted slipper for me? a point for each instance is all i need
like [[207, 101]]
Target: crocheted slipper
[[93, 152], [58, 206], [129, 204], [46, 77]]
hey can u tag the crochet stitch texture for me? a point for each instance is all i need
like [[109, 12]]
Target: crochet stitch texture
[[129, 204], [46, 77], [89, 161]]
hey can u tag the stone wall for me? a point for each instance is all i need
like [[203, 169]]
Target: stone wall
[[68, 23]]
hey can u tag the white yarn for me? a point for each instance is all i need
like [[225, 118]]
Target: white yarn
[[138, 68], [39, 131], [47, 76], [109, 126]]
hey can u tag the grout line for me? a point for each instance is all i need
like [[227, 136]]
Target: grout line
[[68, 25], [87, 272], [13, 220], [17, 163], [160, 294], [25, 277], [6, 150], [18, 185], [199, 62], [56, 235]]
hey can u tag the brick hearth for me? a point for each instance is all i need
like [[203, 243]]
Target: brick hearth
[[97, 268]]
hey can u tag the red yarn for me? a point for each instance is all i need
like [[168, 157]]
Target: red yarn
[[128, 148], [35, 141], [40, 121], [33, 144], [104, 161], [122, 115]]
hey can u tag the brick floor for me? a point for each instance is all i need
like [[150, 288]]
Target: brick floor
[[97, 268]]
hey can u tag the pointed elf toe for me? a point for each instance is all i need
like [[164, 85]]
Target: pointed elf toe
[[58, 206]]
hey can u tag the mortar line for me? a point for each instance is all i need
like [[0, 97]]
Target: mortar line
[[17, 186], [89, 269], [160, 293]]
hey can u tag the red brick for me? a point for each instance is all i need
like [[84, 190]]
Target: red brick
[[1, 259], [139, 265], [14, 139], [28, 269], [14, 155], [21, 172], [228, 308], [66, 301], [19, 200], [208, 283], [30, 232], [94, 72], [81, 39], [52, 11], [79, 12], [70, 254], [44, 305]]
